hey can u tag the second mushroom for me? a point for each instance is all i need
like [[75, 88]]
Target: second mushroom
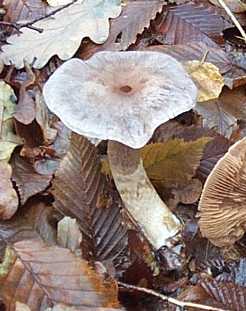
[[123, 97]]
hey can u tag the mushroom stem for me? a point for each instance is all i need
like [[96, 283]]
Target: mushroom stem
[[141, 200]]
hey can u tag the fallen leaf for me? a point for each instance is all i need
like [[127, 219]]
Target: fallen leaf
[[68, 234], [135, 16], [62, 34], [207, 78], [215, 117], [173, 162], [51, 275], [235, 6], [18, 10], [196, 51], [192, 22], [27, 180], [21, 306], [8, 196], [80, 192]]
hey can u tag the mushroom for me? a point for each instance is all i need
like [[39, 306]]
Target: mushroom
[[222, 204], [124, 97]]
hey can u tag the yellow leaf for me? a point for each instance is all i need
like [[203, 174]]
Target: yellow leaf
[[207, 78], [173, 162]]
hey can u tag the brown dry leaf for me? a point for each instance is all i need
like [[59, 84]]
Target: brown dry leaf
[[235, 6], [51, 275], [207, 78], [222, 204], [27, 180], [135, 16], [8, 196], [62, 34], [192, 22], [215, 117], [173, 162], [20, 10], [196, 51], [213, 151], [80, 192]]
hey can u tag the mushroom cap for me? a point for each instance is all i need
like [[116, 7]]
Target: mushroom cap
[[121, 96], [223, 201]]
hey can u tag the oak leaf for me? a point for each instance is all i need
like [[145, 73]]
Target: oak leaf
[[62, 34], [51, 275], [207, 78]]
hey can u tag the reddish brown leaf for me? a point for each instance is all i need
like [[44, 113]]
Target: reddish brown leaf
[[232, 296], [213, 151], [196, 51], [79, 190], [28, 181], [135, 16], [192, 22], [42, 276]]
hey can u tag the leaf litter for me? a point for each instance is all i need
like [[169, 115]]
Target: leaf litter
[[54, 198]]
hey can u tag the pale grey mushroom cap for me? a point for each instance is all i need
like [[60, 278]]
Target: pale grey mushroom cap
[[121, 96]]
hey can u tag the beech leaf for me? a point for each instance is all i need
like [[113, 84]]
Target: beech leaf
[[207, 78], [173, 162], [62, 34], [51, 275]]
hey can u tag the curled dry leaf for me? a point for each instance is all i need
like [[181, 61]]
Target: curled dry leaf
[[62, 34], [51, 275], [207, 79], [222, 204], [27, 180], [8, 196]]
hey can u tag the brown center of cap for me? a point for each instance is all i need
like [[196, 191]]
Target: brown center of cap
[[125, 89]]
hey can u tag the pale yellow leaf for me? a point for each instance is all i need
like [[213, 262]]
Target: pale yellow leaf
[[21, 306], [207, 78], [173, 162], [62, 34]]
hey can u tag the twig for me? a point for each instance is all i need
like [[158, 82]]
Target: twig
[[174, 301], [233, 18], [18, 26]]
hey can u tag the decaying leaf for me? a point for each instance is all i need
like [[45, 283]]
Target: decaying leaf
[[196, 51], [173, 162], [207, 79], [62, 34], [68, 233], [51, 275], [28, 181], [236, 6], [79, 190], [222, 204], [8, 196], [192, 22], [135, 16]]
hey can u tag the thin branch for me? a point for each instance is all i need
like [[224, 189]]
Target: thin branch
[[18, 26], [174, 301], [233, 18]]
